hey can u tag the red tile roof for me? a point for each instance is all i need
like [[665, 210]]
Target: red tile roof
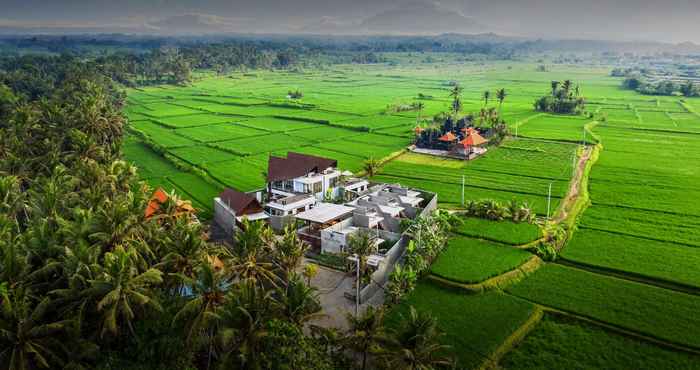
[[473, 139], [238, 201], [159, 198], [296, 165], [448, 137]]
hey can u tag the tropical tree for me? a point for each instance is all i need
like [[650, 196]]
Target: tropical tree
[[419, 108], [370, 166], [501, 96], [567, 88], [486, 96], [288, 251], [241, 326], [310, 271], [31, 337], [120, 290], [366, 333], [416, 344], [456, 94], [555, 87], [297, 302], [401, 282], [362, 245]]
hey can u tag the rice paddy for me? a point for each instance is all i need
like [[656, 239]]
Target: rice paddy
[[640, 233]]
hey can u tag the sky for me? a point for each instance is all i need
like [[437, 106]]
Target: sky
[[657, 20]]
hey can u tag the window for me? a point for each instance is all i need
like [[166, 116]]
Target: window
[[289, 185], [318, 187], [333, 182]]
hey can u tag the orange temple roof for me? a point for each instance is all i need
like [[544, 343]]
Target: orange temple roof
[[448, 137]]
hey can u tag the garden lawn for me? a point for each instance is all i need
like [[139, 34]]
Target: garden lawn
[[560, 342], [653, 311], [472, 261], [475, 325]]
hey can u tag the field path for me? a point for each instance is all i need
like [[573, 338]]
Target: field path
[[575, 186]]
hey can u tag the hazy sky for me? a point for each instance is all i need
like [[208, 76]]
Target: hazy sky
[[666, 20]]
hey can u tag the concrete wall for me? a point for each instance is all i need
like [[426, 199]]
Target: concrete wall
[[224, 216], [332, 242], [381, 276], [278, 223]]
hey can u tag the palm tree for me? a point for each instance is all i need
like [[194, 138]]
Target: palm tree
[[567, 88], [501, 96], [297, 302], [241, 326], [366, 333], [555, 86], [456, 91], [419, 107], [120, 289], [456, 94], [30, 335], [456, 106], [185, 250], [486, 96], [362, 244], [370, 166], [200, 313], [417, 344], [288, 251]]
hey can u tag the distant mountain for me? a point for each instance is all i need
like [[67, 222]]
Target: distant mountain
[[421, 18], [199, 24]]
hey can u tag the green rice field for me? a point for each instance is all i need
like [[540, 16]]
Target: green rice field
[[630, 266]]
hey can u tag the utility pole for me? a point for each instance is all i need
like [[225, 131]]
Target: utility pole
[[549, 199], [357, 288]]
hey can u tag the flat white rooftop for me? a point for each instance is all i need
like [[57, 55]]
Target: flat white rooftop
[[325, 212]]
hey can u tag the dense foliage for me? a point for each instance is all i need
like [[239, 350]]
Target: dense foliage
[[565, 99]]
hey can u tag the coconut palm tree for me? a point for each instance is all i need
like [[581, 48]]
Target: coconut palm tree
[[362, 244], [486, 96], [567, 88], [501, 96], [120, 290], [416, 345], [419, 108], [297, 302], [370, 166], [288, 251], [366, 333], [241, 326], [31, 336], [555, 87]]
